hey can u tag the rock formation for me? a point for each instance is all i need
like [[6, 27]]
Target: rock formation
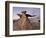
[[23, 23]]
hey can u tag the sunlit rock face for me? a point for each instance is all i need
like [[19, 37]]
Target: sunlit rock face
[[24, 23]]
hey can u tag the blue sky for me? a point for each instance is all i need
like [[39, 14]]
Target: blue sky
[[33, 11]]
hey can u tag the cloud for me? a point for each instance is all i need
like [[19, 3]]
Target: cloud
[[15, 17]]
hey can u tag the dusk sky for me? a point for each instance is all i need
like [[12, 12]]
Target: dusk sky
[[31, 11]]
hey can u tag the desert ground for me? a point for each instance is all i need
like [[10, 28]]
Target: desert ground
[[28, 25]]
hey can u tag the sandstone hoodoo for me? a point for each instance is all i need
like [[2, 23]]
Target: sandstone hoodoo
[[23, 23]]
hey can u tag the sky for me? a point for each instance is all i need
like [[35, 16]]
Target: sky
[[31, 11]]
